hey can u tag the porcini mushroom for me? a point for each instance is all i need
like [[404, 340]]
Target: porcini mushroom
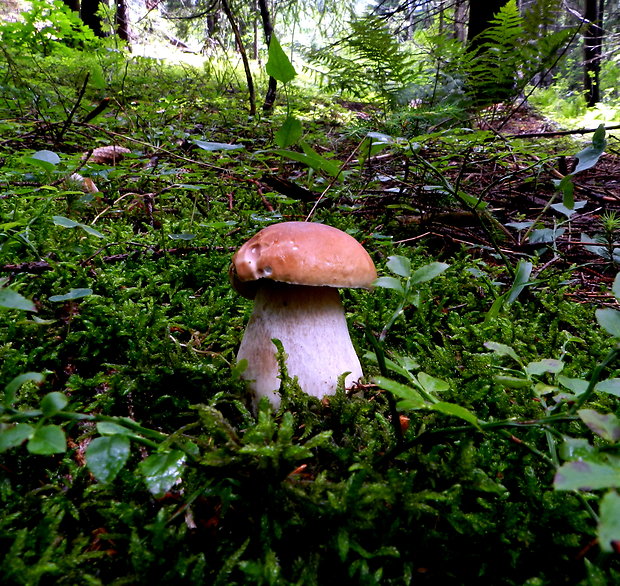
[[293, 270]]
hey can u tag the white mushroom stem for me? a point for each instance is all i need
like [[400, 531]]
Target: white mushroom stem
[[310, 323]]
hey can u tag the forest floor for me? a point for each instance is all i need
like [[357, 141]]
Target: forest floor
[[137, 329], [526, 217]]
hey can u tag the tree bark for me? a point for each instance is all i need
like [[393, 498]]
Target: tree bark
[[270, 96], [460, 20], [592, 51], [244, 56], [122, 20]]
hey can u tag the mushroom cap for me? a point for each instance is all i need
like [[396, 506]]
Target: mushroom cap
[[108, 155], [302, 253]]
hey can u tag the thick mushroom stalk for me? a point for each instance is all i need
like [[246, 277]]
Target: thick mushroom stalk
[[293, 271], [310, 323]]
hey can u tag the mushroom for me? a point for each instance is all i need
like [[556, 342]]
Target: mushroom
[[107, 155], [292, 271]]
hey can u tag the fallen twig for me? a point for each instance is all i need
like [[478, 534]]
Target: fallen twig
[[558, 132]]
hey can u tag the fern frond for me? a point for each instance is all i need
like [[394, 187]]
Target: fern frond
[[370, 60], [505, 31]]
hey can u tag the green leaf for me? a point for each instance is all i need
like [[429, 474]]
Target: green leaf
[[589, 156], [599, 141], [402, 365], [389, 283], [53, 403], [312, 159], [560, 207], [413, 398], [472, 201], [544, 366], [545, 235], [502, 350], [342, 542], [18, 381], [162, 471], [522, 276], [48, 156], [616, 287], [319, 440], [374, 143], [584, 475], [10, 299], [73, 294], [46, 160], [68, 223], [576, 448], [216, 146], [605, 426], [183, 236], [609, 320], [278, 65], [495, 309], [106, 456], [576, 385], [90, 230], [456, 411], [399, 265], [290, 132], [611, 386], [15, 435], [542, 389], [512, 382], [428, 272], [111, 428], [238, 369], [65, 222], [431, 384], [320, 162], [47, 440], [609, 522], [567, 188]]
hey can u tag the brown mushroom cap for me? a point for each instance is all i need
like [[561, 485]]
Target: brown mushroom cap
[[302, 253]]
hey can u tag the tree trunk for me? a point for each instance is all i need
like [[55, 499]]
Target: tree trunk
[[254, 32], [270, 96], [122, 20], [460, 20], [592, 51], [242, 52], [481, 13], [88, 14]]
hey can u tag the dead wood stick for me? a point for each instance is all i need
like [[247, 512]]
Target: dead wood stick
[[558, 132]]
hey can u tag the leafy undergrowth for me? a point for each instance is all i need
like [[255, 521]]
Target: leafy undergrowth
[[482, 448]]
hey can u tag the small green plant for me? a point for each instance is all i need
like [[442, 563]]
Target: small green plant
[[105, 456], [11, 299], [605, 243], [406, 285]]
